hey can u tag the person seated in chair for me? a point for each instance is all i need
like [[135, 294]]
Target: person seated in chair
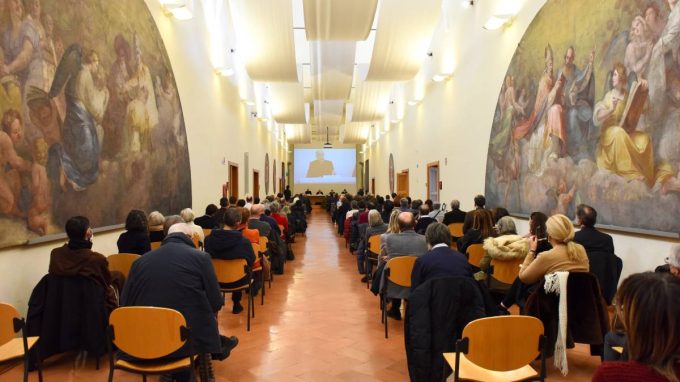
[[136, 237], [76, 258], [647, 304], [156, 221], [207, 221], [424, 220], [228, 243], [455, 215], [565, 255], [440, 261], [507, 246], [179, 276], [593, 240]]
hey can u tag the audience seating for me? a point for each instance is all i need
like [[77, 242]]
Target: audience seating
[[122, 262], [373, 248], [264, 241], [231, 271], [398, 272], [504, 271], [196, 239], [499, 349], [12, 347], [155, 245], [456, 229], [148, 334], [260, 268], [206, 232], [475, 254]]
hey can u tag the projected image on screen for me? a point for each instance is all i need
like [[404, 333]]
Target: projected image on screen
[[325, 166]]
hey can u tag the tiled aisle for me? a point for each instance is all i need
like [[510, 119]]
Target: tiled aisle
[[319, 323]]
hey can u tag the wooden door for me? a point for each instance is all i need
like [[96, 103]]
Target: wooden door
[[256, 184], [372, 186], [402, 183], [233, 179], [433, 181]]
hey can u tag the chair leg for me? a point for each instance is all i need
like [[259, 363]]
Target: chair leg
[[97, 362], [143, 377], [39, 365], [111, 375], [250, 298], [25, 367]]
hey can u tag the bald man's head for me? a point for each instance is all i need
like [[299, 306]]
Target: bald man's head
[[406, 221], [256, 210]]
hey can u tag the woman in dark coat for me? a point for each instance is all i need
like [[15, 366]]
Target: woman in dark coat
[[136, 238]]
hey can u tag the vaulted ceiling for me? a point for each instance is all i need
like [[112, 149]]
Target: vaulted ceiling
[[346, 68]]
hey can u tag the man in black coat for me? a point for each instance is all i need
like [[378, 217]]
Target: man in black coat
[[589, 237], [180, 277], [228, 243], [480, 202], [207, 221], [455, 215]]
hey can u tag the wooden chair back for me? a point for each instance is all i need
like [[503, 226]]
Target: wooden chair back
[[7, 315], [206, 232], [147, 332], [456, 229], [400, 270], [506, 271], [229, 271], [475, 253], [196, 239], [263, 244], [155, 245], [122, 262], [503, 343], [374, 244]]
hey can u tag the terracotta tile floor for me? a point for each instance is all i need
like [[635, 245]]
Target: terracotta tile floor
[[319, 323]]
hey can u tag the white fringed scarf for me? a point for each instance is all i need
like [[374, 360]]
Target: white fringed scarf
[[557, 283]]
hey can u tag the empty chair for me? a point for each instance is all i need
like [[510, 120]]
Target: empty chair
[[11, 346], [122, 262], [149, 334], [456, 229], [231, 271], [475, 253], [499, 349]]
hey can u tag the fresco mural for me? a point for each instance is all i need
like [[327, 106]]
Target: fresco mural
[[589, 112], [91, 119]]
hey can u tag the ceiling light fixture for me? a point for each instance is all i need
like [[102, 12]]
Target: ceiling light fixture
[[180, 9], [468, 3], [440, 77], [413, 102], [498, 21]]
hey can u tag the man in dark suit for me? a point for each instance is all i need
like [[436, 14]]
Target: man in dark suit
[[455, 215], [207, 221], [440, 261], [589, 237]]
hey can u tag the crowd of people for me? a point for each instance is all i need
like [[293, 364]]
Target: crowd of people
[[173, 270], [647, 316]]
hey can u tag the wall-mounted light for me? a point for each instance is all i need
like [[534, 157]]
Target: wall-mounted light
[[498, 21], [180, 9], [224, 72]]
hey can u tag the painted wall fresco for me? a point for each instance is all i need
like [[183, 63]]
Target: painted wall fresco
[[589, 112], [91, 119]]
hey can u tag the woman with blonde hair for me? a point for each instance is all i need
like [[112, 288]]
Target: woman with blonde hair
[[649, 307], [565, 255], [392, 227], [188, 216], [156, 221]]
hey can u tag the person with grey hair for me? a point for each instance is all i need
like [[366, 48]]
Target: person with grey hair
[[455, 215], [280, 219], [156, 220], [178, 276], [228, 243], [440, 261], [505, 247], [376, 226], [187, 215], [170, 221]]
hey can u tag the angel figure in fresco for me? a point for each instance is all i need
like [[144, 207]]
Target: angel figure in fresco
[[639, 49], [86, 100], [564, 198], [11, 163]]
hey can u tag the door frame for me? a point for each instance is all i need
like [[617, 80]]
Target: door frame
[[233, 181], [256, 183], [427, 179]]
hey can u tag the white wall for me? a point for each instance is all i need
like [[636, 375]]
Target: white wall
[[218, 127], [453, 122]]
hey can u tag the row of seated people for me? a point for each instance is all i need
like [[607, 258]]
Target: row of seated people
[[552, 245], [186, 278]]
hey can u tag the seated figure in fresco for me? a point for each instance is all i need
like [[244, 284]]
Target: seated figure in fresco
[[628, 153], [11, 164]]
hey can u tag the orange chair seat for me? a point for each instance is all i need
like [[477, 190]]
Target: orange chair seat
[[153, 366], [471, 372], [15, 348]]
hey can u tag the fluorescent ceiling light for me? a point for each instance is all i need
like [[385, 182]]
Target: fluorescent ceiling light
[[440, 77], [180, 9], [395, 121], [497, 21], [413, 102], [225, 72]]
